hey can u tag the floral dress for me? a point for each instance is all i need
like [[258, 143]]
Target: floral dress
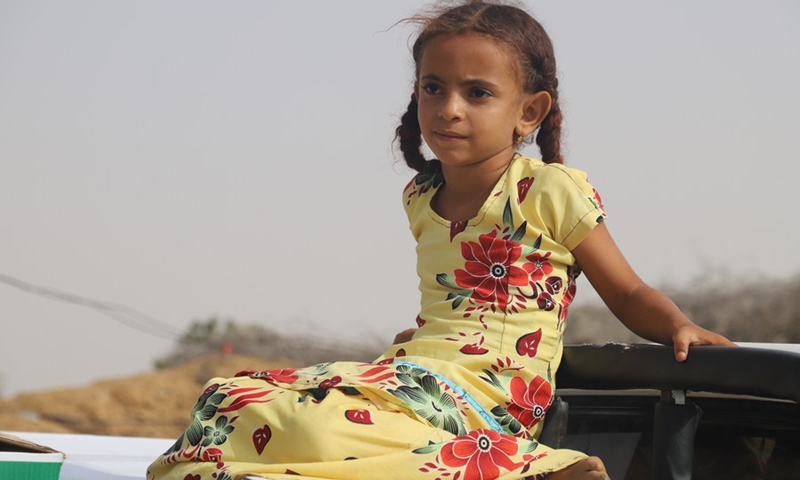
[[462, 400]]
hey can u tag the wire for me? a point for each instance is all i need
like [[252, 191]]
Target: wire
[[123, 314]]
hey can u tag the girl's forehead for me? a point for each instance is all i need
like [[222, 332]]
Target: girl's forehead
[[476, 52]]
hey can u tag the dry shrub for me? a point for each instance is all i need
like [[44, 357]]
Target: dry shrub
[[212, 336], [742, 309]]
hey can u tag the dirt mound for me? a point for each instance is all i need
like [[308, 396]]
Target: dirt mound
[[153, 404]]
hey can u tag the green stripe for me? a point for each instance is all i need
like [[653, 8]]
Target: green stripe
[[30, 470]]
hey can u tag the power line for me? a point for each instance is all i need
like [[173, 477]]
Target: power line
[[118, 312]]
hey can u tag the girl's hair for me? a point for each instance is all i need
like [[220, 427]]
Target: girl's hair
[[511, 26]]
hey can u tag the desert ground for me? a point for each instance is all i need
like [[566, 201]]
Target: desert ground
[[155, 404]]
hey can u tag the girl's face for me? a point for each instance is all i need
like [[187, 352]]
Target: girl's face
[[470, 100]]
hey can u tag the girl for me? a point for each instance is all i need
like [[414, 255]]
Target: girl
[[499, 241]]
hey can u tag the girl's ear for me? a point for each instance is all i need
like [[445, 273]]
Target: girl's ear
[[535, 107]]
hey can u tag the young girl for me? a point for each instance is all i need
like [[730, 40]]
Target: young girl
[[500, 238]]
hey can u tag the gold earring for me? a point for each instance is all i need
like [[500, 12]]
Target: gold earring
[[519, 139]]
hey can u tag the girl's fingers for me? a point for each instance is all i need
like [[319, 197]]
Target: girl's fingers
[[681, 351], [694, 335], [684, 337]]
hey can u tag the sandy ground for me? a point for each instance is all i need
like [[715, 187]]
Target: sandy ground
[[153, 404]]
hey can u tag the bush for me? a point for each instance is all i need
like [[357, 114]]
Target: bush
[[212, 336], [753, 310]]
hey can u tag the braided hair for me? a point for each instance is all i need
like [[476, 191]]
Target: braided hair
[[527, 39]]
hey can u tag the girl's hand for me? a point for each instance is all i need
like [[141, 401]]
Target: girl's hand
[[694, 335], [404, 336], [644, 310]]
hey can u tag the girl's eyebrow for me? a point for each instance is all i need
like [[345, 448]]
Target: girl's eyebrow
[[473, 82]]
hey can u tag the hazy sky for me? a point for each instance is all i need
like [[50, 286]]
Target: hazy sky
[[195, 158]]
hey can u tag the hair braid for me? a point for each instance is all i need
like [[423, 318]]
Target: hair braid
[[549, 136], [409, 137]]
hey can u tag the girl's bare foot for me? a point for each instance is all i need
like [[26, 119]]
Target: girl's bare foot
[[590, 468]]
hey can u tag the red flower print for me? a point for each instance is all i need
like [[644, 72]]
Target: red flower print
[[599, 201], [489, 269], [529, 402], [331, 382], [553, 284], [545, 301], [473, 349], [212, 455], [538, 266], [529, 344], [522, 188], [261, 436], [569, 295], [481, 452], [363, 417], [456, 228], [420, 321]]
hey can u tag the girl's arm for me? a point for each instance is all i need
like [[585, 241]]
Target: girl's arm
[[642, 309]]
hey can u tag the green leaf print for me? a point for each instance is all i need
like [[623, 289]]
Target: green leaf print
[[194, 433], [537, 243], [457, 299], [460, 293], [320, 368], [492, 379], [205, 409], [176, 446], [431, 403], [218, 434], [506, 420], [528, 446], [433, 447], [207, 412], [508, 216], [429, 180], [409, 375], [519, 233], [443, 280]]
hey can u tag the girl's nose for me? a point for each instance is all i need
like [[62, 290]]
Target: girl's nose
[[451, 108]]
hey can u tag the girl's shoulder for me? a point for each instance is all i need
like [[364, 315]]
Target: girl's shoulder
[[559, 198], [549, 177]]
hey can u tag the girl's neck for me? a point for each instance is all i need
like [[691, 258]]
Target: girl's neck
[[466, 189]]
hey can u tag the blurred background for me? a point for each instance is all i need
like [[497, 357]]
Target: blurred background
[[175, 172]]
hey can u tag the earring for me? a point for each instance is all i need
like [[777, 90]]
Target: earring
[[519, 139]]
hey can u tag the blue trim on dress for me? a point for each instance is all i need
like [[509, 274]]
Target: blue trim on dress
[[493, 423]]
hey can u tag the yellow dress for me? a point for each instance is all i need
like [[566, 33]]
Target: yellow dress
[[464, 398]]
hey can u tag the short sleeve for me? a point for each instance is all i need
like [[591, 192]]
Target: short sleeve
[[566, 204]]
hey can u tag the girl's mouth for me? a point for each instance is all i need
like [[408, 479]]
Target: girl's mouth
[[448, 136]]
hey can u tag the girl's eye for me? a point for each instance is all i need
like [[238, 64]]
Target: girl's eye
[[480, 93], [431, 88]]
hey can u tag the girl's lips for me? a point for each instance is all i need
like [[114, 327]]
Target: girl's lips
[[449, 136]]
